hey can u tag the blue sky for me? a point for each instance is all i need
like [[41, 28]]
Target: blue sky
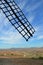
[[10, 38]]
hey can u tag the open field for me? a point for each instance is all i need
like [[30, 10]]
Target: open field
[[22, 53], [33, 56]]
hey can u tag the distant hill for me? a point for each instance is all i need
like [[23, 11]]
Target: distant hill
[[22, 52]]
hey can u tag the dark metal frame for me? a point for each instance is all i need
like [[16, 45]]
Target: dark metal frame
[[17, 18]]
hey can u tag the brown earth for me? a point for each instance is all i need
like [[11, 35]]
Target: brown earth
[[20, 61], [33, 56], [22, 53]]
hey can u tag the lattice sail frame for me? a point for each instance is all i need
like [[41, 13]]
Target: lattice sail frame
[[17, 18]]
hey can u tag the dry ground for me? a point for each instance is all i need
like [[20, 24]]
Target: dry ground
[[12, 61], [22, 53], [21, 56]]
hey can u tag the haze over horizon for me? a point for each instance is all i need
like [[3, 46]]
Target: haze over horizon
[[10, 38]]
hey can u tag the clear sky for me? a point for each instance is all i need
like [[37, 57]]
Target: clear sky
[[10, 38]]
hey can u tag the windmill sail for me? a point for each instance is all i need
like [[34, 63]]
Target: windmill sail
[[17, 18]]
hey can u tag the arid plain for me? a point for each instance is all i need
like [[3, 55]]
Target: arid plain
[[29, 56]]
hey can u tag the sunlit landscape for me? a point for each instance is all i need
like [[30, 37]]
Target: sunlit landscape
[[29, 56], [21, 32]]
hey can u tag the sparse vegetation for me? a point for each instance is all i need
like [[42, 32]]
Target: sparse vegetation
[[40, 57], [24, 53], [12, 54], [21, 57]]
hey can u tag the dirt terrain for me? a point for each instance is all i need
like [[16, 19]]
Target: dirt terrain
[[33, 56], [12, 61], [22, 53]]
